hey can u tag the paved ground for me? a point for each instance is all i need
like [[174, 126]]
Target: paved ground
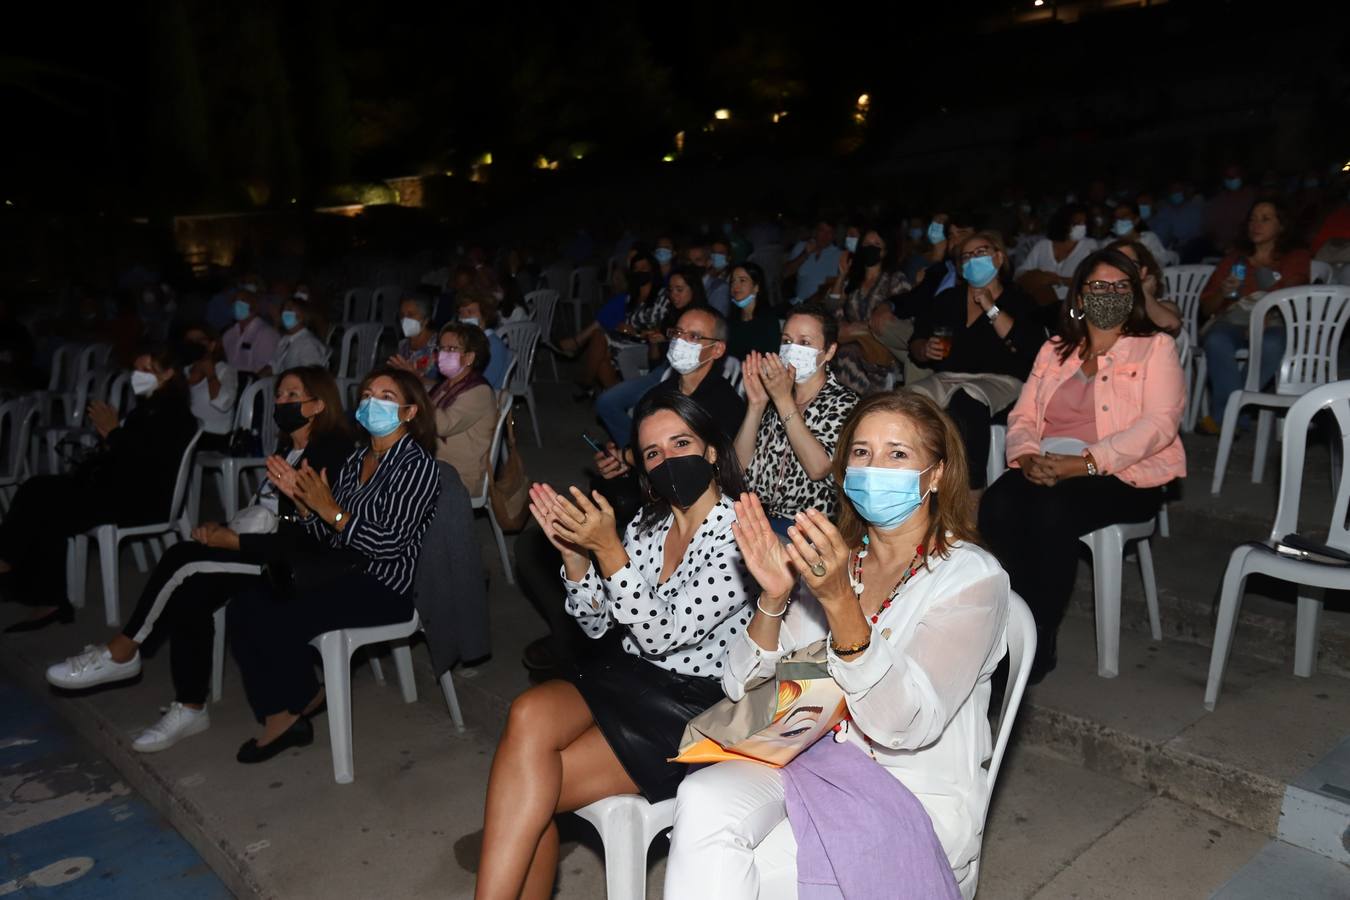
[[1062, 824], [71, 827]]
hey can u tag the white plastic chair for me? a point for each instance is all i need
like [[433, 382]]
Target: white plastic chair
[[384, 302], [59, 380], [18, 417], [229, 468], [731, 371], [543, 304], [110, 537], [1320, 272], [359, 347], [1256, 559], [628, 824], [523, 339], [1314, 322], [483, 499], [72, 423], [1184, 284], [1108, 562], [356, 306], [582, 287], [998, 449]]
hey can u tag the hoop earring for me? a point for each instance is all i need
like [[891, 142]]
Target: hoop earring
[[1076, 313]]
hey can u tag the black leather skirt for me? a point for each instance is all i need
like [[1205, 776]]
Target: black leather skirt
[[642, 709]]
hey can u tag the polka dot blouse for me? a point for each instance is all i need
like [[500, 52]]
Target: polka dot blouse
[[685, 624]]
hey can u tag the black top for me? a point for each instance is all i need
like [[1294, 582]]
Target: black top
[[977, 348], [761, 333], [911, 303], [134, 473], [717, 397], [325, 453]]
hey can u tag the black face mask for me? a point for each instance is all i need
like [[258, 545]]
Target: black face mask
[[681, 480], [191, 352], [639, 280], [869, 255], [288, 416]]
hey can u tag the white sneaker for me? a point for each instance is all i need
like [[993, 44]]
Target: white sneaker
[[94, 666], [179, 722]]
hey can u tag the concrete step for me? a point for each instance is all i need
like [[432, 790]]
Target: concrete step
[[1283, 870], [1316, 812], [1149, 726]]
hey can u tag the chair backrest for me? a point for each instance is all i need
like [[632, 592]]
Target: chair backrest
[[356, 305], [176, 506], [523, 339], [120, 395], [247, 405], [384, 301], [86, 389], [1184, 284], [86, 360], [583, 285], [17, 418], [557, 277], [1320, 272], [509, 371], [1314, 321], [1021, 631], [504, 400], [1185, 349], [62, 363], [360, 344], [543, 304], [1334, 398], [731, 370]]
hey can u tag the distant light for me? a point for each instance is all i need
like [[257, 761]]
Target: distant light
[[679, 142], [547, 165], [669, 157], [864, 100], [9, 202], [722, 115], [292, 200], [779, 116], [1039, 3], [1344, 168], [485, 159]]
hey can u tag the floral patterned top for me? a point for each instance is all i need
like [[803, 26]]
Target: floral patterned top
[[858, 306]]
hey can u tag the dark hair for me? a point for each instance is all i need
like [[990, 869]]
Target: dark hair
[[475, 342], [694, 278], [422, 426], [1073, 332], [1146, 261], [952, 510], [727, 469], [1057, 229], [1288, 239], [856, 270], [168, 359], [320, 385], [655, 268], [756, 273], [960, 218], [487, 304], [815, 310]]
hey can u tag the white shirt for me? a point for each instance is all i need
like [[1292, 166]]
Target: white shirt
[[300, 349], [1042, 258], [216, 413], [684, 624], [920, 692], [251, 347]]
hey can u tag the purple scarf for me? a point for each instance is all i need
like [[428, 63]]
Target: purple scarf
[[860, 833], [445, 393]]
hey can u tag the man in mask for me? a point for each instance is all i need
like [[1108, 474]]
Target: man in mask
[[250, 343], [1226, 212], [715, 284], [813, 261]]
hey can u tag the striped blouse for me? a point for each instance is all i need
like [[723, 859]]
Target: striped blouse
[[389, 514]]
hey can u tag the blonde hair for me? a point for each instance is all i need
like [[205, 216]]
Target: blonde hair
[[952, 510]]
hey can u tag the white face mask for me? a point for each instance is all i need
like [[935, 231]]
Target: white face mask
[[851, 244], [468, 320], [143, 383], [684, 356], [411, 328], [801, 358], [1077, 232]]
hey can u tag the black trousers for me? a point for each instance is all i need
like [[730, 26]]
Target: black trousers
[[188, 585], [1034, 531], [972, 419], [270, 635], [46, 510]]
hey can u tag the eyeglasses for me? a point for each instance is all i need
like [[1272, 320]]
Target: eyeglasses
[[1109, 287], [676, 334], [445, 349], [983, 251]]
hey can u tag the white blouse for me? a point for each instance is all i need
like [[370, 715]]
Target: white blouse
[[920, 692], [684, 624], [1042, 259]]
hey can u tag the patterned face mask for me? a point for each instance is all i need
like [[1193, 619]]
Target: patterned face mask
[[1107, 311]]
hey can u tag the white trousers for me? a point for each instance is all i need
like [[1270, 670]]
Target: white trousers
[[731, 840]]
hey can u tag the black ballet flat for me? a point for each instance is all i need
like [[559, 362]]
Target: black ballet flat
[[64, 614], [301, 734]]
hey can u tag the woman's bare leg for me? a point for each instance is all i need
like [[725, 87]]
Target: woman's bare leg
[[550, 758]]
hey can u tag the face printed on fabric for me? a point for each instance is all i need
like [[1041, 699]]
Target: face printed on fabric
[[851, 243], [450, 362], [681, 480], [979, 271], [1078, 232], [885, 497], [663, 255], [684, 356], [289, 319], [242, 310], [143, 383], [801, 358], [288, 416], [1107, 311], [937, 232], [379, 417], [411, 327]]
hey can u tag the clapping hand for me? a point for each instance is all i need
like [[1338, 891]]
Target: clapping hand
[[816, 542], [402, 362], [544, 510], [764, 555], [845, 261], [102, 416], [755, 395], [311, 489], [281, 474], [777, 378], [587, 522]]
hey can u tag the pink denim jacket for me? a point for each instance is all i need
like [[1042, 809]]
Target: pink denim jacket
[[1140, 394]]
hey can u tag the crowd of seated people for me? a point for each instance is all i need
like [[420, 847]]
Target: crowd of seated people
[[763, 493]]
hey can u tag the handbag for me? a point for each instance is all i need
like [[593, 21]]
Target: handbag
[[313, 569], [777, 719], [509, 490]]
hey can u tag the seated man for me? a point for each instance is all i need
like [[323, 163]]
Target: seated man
[[250, 343]]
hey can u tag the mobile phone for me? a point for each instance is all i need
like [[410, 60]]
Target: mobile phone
[[594, 446]]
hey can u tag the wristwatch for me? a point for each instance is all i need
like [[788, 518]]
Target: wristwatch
[[338, 517], [992, 312]]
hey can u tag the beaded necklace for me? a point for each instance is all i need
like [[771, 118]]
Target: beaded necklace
[[855, 576]]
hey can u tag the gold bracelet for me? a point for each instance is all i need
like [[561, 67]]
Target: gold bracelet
[[852, 649], [792, 415]]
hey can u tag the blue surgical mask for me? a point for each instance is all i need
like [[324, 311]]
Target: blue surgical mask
[[663, 255], [719, 261], [242, 310], [749, 298], [915, 233], [289, 319], [379, 417], [851, 243], [1122, 227], [937, 232], [884, 497], [1177, 198], [1145, 210], [1232, 183], [979, 270]]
